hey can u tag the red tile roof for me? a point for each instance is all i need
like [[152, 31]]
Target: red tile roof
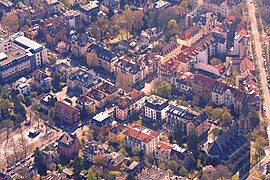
[[132, 97], [140, 133]]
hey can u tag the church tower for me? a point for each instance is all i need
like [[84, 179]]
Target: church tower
[[245, 121]]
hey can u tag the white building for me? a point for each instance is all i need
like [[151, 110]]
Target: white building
[[155, 108], [22, 86]]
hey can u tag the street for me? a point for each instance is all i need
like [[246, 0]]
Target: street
[[264, 83]]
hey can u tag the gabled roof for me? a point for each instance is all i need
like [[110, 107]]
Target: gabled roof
[[65, 110]]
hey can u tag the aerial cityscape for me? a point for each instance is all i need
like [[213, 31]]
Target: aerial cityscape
[[134, 89]]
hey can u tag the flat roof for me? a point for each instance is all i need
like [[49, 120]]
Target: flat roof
[[101, 116], [2, 56], [90, 5], [16, 54], [28, 42]]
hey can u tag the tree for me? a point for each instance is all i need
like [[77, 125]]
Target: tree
[[217, 132], [164, 90], [178, 134], [172, 165], [192, 140], [91, 175], [100, 27], [215, 61], [91, 110], [51, 113], [56, 80], [217, 113], [91, 59], [172, 28], [195, 100], [10, 23], [135, 151], [226, 118], [78, 165], [130, 177], [39, 162], [7, 123]]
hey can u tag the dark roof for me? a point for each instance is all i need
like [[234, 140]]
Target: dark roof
[[245, 108], [229, 143], [101, 52], [87, 78], [117, 129], [67, 139]]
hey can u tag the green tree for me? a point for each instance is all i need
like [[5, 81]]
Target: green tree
[[135, 151], [217, 113], [10, 23], [91, 175], [172, 28], [164, 90], [51, 113], [215, 61], [91, 110], [192, 139], [178, 134], [56, 80], [78, 165], [226, 118]]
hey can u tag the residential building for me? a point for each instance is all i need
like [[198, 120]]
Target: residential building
[[168, 70], [92, 151], [83, 102], [128, 72], [168, 48], [48, 101], [222, 7], [98, 97], [155, 108], [54, 30], [113, 161], [154, 174], [50, 156], [22, 86], [83, 80], [42, 78], [90, 10], [6, 6], [73, 18], [129, 104], [150, 61], [186, 120], [232, 150], [101, 123], [141, 137], [151, 33], [105, 58], [66, 112], [116, 134], [191, 36], [163, 151], [53, 6], [68, 145], [109, 90]]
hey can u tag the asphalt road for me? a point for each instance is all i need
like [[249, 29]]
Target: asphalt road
[[265, 90]]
